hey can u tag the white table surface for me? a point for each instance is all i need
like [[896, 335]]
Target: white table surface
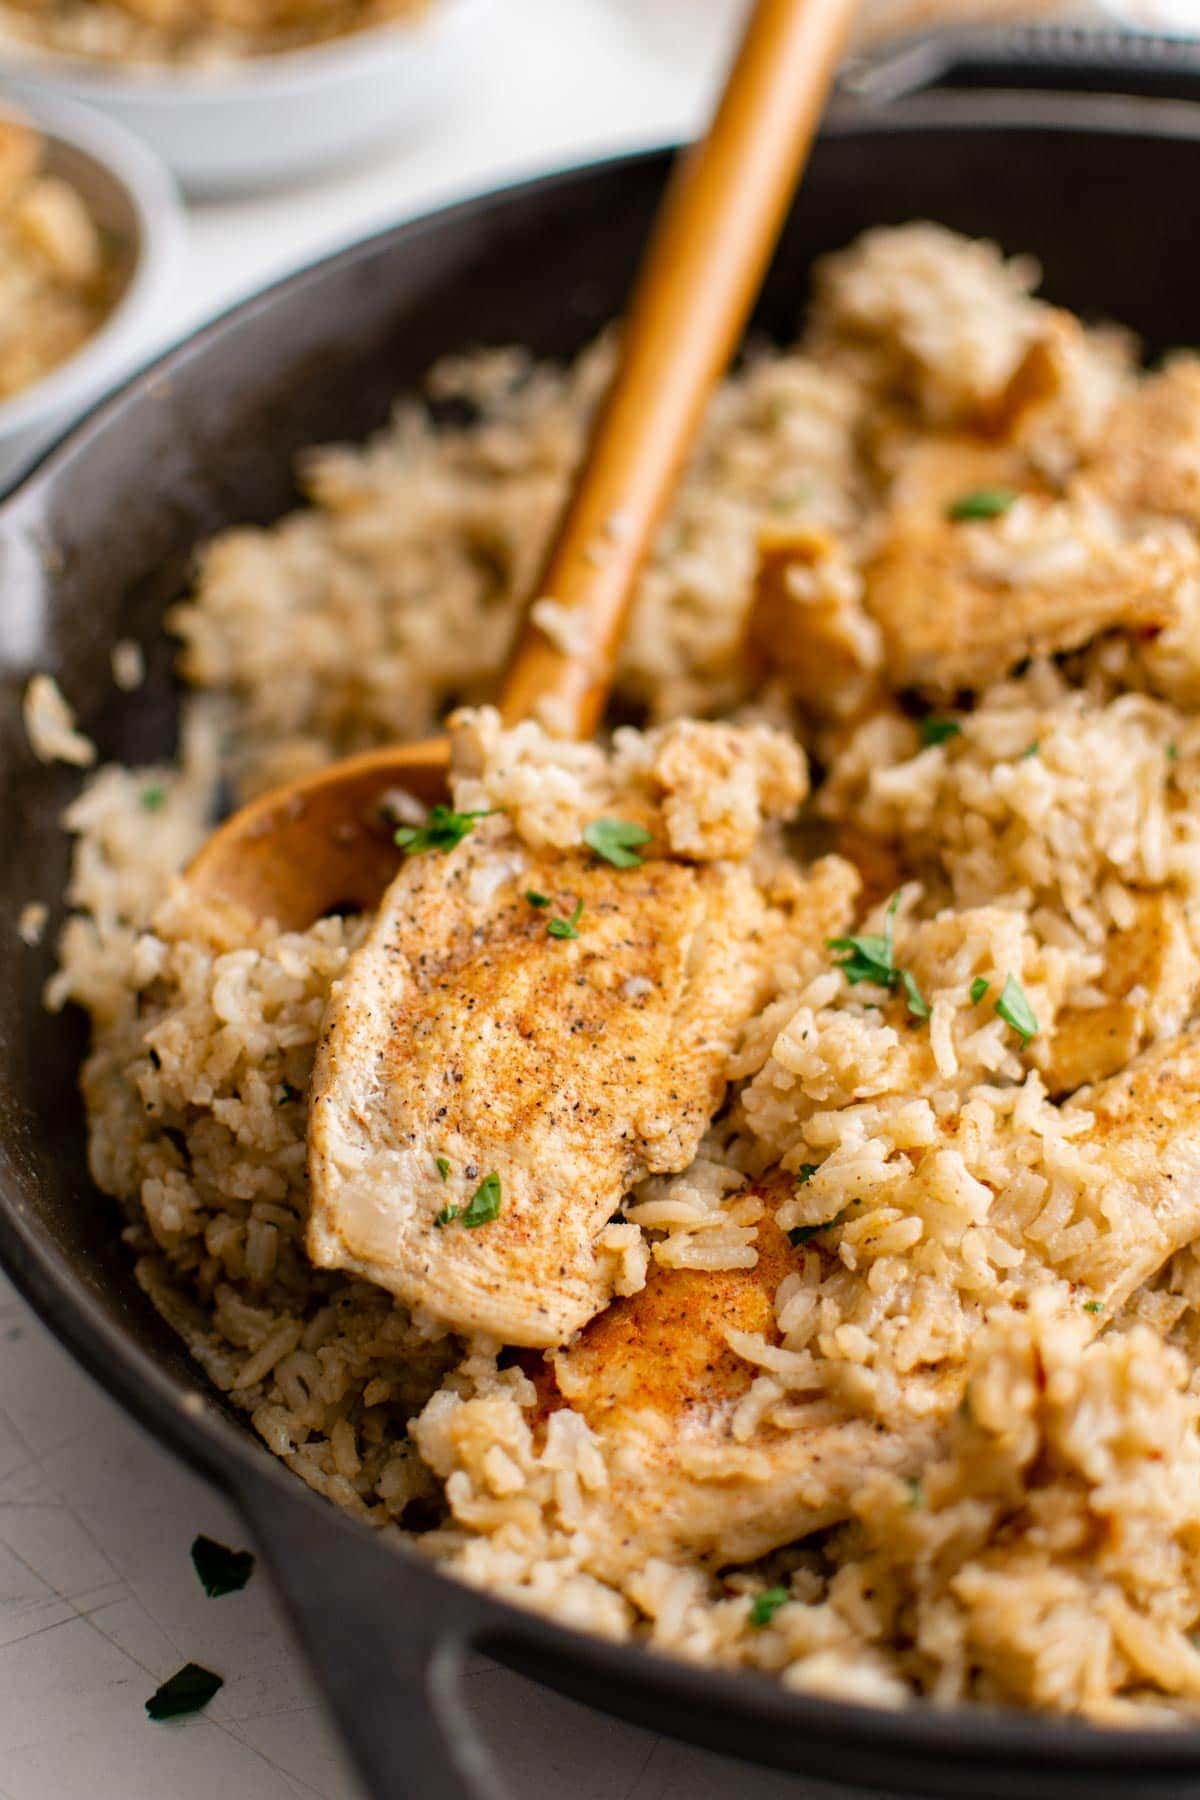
[[98, 1601]]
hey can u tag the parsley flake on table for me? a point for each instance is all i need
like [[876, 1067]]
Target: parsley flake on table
[[566, 928], [1015, 1010], [979, 988], [484, 1204], [617, 841], [220, 1569], [766, 1605], [983, 503], [187, 1691], [939, 731], [444, 829]]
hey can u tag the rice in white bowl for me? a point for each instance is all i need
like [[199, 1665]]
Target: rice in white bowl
[[1029, 1529], [195, 32]]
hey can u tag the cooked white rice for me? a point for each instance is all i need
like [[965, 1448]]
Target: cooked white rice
[[1046, 1548]]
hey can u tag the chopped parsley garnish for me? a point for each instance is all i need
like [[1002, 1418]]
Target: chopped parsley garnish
[[1030, 750], [220, 1569], [937, 731], [536, 899], [983, 503], [153, 798], [447, 1216], [918, 1006], [871, 957], [1172, 752], [289, 1093], [1015, 1010], [1093, 1306], [807, 1171], [979, 988], [484, 1204], [617, 841], [189, 1689], [916, 1493], [566, 928], [443, 1167], [804, 1234], [867, 958], [766, 1605], [442, 830]]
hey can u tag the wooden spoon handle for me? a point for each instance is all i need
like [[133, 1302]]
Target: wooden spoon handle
[[723, 212]]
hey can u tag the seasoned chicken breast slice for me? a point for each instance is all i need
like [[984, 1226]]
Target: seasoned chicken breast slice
[[1147, 1121], [1152, 977], [962, 600], [659, 1385], [486, 1092]]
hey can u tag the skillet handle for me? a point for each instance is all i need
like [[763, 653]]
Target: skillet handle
[[389, 1654], [1061, 58]]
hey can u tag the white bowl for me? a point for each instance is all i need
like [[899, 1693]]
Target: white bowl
[[1172, 18], [128, 192], [268, 119]]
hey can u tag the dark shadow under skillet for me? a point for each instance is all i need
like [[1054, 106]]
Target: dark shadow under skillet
[[97, 543]]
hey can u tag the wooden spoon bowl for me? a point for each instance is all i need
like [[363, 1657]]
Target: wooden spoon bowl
[[323, 844]]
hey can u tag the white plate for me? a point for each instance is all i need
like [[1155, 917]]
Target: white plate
[[270, 118], [127, 191]]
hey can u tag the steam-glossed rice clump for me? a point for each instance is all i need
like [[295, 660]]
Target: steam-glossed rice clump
[[882, 1374]]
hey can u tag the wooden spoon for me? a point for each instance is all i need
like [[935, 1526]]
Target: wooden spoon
[[315, 846]]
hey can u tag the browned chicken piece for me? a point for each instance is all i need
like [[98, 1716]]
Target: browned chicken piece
[[1036, 382], [1060, 397], [807, 621], [1147, 1122], [486, 1093], [658, 1384], [1149, 461], [961, 602], [1152, 973]]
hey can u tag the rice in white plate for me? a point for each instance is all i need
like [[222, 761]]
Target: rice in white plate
[[976, 1282]]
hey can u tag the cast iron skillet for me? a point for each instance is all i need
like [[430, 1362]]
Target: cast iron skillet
[[97, 542]]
